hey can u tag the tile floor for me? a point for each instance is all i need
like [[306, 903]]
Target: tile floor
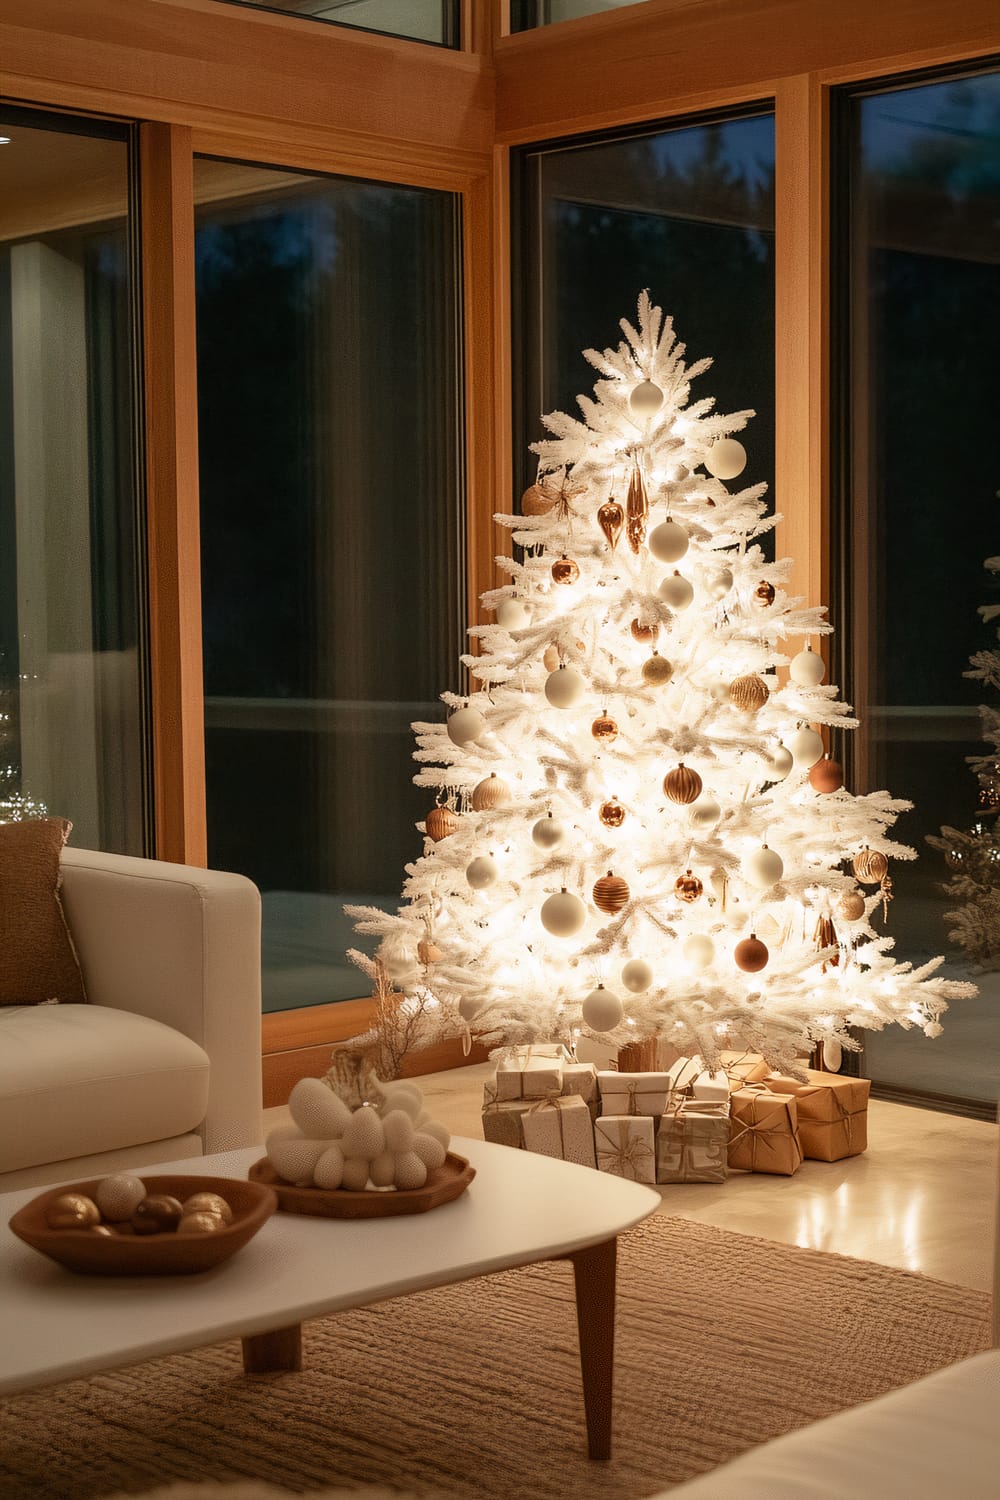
[[921, 1198]]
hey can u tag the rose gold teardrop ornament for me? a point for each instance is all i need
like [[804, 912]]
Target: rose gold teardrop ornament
[[611, 519], [636, 509]]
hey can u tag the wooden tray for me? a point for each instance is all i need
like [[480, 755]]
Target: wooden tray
[[126, 1254], [443, 1184]]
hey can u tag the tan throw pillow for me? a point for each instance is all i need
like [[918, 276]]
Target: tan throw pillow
[[37, 959]]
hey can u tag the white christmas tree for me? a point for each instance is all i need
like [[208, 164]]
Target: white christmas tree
[[636, 831]]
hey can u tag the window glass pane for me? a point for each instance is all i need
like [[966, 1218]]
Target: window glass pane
[[525, 15], [71, 726], [687, 213], [332, 541], [923, 392], [420, 20]]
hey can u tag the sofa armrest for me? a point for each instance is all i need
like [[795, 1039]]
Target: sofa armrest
[[181, 945]]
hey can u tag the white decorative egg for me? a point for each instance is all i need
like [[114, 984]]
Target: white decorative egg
[[329, 1170], [398, 1127], [382, 1170], [465, 726], [637, 975], [726, 458], [410, 1171], [429, 1149], [564, 687], [364, 1136], [513, 614], [807, 668], [294, 1157], [668, 542], [317, 1110], [763, 867], [563, 914], [118, 1196], [356, 1173]]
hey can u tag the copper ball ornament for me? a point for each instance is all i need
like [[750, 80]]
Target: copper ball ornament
[[682, 785], [538, 499], [688, 887], [749, 692], [851, 906], [72, 1211], [159, 1214], [428, 952], [440, 822], [610, 893], [604, 729], [763, 594], [870, 867], [490, 793], [611, 813], [565, 570], [751, 955], [656, 670], [644, 634], [826, 775], [611, 519]]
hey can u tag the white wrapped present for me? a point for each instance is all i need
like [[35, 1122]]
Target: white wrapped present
[[561, 1128], [633, 1093], [529, 1073], [713, 1088], [624, 1146]]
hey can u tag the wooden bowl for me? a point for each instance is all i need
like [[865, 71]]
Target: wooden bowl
[[443, 1184], [127, 1254]]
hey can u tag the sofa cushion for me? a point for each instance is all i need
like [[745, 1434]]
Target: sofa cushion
[[79, 1079], [37, 960]]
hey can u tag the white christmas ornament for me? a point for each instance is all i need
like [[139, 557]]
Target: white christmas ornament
[[563, 914], [699, 950], [763, 868], [705, 812], [807, 668], [779, 762], [465, 726], [469, 1007], [806, 747], [601, 1010], [637, 975], [720, 583], [513, 614], [668, 542], [564, 687], [481, 872], [547, 832], [645, 399], [726, 458], [676, 591]]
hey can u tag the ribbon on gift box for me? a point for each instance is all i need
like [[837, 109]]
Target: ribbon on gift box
[[632, 1091], [628, 1157]]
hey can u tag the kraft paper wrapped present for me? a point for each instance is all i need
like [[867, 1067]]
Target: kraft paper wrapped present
[[712, 1087], [742, 1068], [763, 1132], [832, 1111], [682, 1073], [560, 1127], [634, 1093], [692, 1142], [502, 1120], [624, 1145], [530, 1073]]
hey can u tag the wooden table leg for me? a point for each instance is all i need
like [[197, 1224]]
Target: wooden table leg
[[594, 1273], [268, 1353]]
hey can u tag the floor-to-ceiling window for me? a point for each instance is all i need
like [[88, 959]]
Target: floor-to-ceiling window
[[333, 598], [919, 182], [72, 720]]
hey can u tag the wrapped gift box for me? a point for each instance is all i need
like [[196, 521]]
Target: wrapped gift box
[[711, 1087], [742, 1068], [634, 1093], [832, 1111], [580, 1079], [502, 1120], [624, 1145], [692, 1142], [560, 1127], [682, 1073], [530, 1073], [763, 1132]]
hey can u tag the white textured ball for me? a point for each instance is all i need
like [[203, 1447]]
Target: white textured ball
[[720, 583], [763, 867], [364, 1136], [699, 950], [645, 399], [601, 1010], [317, 1110], [547, 832], [726, 458], [668, 542], [399, 1131], [807, 668], [704, 812], [779, 762], [676, 591], [382, 1170], [513, 614], [430, 1151], [118, 1196], [563, 914], [564, 687], [806, 747], [329, 1170], [481, 872], [356, 1173], [465, 726], [410, 1170], [637, 975]]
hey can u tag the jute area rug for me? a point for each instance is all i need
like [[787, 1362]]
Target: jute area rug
[[474, 1390]]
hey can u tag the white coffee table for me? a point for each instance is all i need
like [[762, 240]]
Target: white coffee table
[[521, 1208]]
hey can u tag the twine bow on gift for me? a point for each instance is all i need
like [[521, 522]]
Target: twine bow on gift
[[628, 1157], [759, 1130], [632, 1092]]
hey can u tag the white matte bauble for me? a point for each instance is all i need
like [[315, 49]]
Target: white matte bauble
[[469, 1007], [719, 691], [563, 914], [763, 868], [645, 399], [547, 832], [564, 687], [676, 591], [481, 872], [726, 458], [637, 975], [513, 614], [807, 668], [465, 726], [699, 950], [833, 1054], [705, 812], [806, 747], [398, 965], [720, 583], [602, 1011], [779, 762], [668, 542]]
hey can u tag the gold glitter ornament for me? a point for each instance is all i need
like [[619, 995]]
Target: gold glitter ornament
[[538, 499], [550, 658], [749, 693], [682, 785], [612, 814], [604, 729], [656, 670], [688, 887], [610, 893], [565, 570]]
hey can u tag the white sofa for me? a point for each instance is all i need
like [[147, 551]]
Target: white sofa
[[164, 1062]]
